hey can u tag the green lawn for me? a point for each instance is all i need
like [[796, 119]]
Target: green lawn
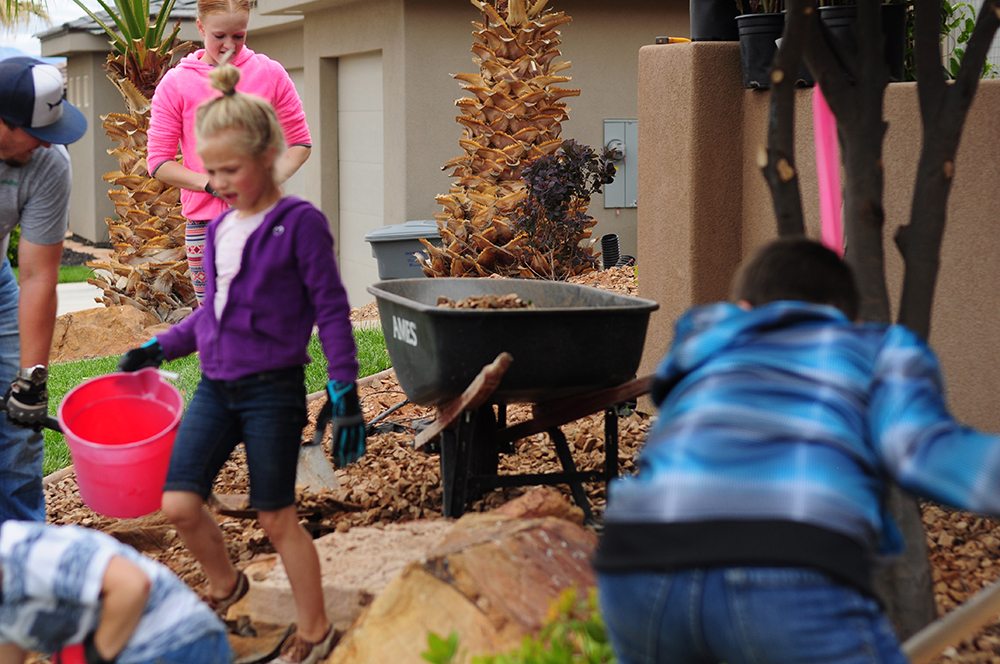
[[372, 358], [71, 274]]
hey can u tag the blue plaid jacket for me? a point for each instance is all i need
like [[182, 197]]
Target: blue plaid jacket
[[790, 412]]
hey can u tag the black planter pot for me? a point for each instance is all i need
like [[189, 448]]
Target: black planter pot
[[758, 35], [713, 20], [840, 24]]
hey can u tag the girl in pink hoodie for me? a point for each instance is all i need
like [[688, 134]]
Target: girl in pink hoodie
[[223, 28]]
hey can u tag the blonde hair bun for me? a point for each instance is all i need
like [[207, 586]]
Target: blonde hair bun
[[224, 78]]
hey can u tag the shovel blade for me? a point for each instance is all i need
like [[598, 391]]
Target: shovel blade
[[315, 472]]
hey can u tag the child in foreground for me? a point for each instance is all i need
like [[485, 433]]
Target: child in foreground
[[752, 528], [64, 586], [251, 336]]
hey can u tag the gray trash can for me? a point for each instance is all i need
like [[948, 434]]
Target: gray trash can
[[394, 247]]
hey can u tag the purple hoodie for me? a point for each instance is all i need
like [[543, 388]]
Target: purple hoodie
[[288, 282]]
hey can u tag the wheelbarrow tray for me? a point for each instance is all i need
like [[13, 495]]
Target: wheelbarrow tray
[[573, 339]]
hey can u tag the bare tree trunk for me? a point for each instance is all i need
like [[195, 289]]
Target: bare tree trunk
[[855, 90], [777, 162], [943, 109]]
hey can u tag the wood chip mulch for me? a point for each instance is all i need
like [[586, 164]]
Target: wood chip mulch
[[393, 482]]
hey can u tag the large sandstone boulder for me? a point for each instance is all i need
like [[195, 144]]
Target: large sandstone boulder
[[489, 577], [356, 566], [101, 331], [491, 580]]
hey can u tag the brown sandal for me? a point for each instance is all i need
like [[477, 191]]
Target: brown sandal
[[297, 650], [221, 605]]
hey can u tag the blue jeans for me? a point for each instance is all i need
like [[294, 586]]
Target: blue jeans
[[743, 615], [266, 411], [210, 649], [21, 450]]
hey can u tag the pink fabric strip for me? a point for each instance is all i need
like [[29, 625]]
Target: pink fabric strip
[[828, 173]]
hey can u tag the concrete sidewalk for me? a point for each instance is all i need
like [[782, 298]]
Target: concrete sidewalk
[[76, 297]]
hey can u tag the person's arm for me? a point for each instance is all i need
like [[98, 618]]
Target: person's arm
[[178, 175], [38, 276], [920, 443], [124, 592], [12, 654], [290, 162]]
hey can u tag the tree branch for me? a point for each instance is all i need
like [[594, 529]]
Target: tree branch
[[931, 84], [777, 162], [971, 69], [943, 116]]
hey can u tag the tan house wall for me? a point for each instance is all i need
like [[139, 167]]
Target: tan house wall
[[705, 205], [90, 90]]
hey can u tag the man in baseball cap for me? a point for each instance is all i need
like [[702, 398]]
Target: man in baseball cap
[[31, 98], [36, 122]]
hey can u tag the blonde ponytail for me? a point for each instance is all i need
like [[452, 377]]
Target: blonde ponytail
[[252, 116]]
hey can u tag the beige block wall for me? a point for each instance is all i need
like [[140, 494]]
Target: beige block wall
[[691, 243]]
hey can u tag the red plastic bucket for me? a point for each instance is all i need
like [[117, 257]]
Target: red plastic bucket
[[120, 430]]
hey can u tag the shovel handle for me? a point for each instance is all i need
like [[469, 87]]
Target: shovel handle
[[49, 422]]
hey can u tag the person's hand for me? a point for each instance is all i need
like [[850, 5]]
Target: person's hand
[[27, 403], [210, 190], [347, 439], [91, 654], [150, 354]]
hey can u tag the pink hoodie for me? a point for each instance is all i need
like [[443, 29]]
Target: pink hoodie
[[186, 86]]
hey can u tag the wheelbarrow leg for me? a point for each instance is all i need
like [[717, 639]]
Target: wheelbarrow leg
[[575, 486], [610, 444], [454, 472], [468, 453]]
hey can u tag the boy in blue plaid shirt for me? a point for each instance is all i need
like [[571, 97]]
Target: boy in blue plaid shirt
[[752, 527]]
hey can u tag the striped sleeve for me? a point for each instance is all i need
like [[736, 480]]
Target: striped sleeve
[[921, 444]]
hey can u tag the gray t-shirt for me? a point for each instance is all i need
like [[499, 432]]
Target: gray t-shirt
[[36, 196]]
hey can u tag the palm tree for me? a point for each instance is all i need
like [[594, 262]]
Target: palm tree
[[14, 13], [148, 267], [512, 117]]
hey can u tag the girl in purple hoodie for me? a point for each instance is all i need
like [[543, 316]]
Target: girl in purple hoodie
[[223, 28], [251, 336]]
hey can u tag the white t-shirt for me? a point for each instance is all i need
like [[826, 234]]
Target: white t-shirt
[[230, 239]]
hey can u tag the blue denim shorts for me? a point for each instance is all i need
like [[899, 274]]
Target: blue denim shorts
[[266, 411], [743, 615]]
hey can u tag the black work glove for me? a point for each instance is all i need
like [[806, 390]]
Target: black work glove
[[210, 190], [347, 440], [91, 654], [27, 403], [150, 354]]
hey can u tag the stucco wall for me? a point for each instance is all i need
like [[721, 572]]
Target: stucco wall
[[90, 90], [691, 242]]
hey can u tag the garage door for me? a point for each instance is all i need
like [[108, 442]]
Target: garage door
[[359, 122]]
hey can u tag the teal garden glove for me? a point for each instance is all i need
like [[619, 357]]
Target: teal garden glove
[[342, 408]]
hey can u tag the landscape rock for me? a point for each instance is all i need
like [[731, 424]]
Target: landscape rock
[[101, 331], [491, 580], [356, 566]]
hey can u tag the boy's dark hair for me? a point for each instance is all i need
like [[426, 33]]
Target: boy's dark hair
[[797, 268]]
